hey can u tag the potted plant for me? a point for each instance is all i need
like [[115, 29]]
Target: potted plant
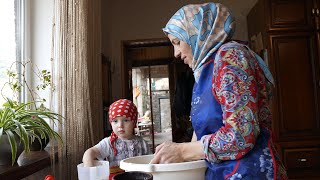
[[19, 125], [23, 123]]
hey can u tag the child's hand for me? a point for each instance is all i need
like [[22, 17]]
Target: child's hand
[[88, 163], [89, 156]]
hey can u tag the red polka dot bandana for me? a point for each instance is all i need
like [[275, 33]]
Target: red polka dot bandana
[[123, 107]]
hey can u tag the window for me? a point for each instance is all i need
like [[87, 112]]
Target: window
[[11, 13]]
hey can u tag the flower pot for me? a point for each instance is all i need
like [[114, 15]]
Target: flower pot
[[5, 150]]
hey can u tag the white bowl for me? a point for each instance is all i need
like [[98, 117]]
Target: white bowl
[[193, 170], [100, 171]]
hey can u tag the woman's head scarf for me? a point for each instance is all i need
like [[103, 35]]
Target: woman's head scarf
[[125, 108], [205, 27]]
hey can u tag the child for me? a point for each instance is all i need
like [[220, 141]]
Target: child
[[122, 142]]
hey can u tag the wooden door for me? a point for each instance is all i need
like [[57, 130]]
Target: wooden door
[[290, 34], [296, 103], [289, 15]]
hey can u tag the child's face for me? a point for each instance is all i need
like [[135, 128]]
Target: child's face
[[122, 127]]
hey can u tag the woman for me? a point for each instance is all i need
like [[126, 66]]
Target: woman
[[230, 113]]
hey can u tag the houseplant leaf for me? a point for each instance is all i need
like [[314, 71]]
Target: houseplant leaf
[[13, 145]]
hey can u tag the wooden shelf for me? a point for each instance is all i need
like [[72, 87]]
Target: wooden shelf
[[27, 164]]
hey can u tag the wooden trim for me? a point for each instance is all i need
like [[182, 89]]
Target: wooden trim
[[146, 43]]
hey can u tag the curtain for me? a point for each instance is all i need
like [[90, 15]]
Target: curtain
[[76, 57]]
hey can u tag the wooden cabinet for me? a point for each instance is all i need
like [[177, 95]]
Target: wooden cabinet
[[286, 34]]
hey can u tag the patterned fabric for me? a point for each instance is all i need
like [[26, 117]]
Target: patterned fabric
[[230, 113], [231, 117], [234, 83], [125, 108], [125, 149], [204, 27]]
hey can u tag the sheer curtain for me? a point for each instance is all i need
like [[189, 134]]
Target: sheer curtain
[[76, 57]]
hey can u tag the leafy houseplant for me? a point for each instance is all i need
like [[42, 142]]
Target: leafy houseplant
[[17, 119], [26, 122]]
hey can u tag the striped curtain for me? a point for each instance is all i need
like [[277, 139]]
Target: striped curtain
[[76, 57]]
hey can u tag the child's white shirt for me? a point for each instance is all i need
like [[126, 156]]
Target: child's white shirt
[[125, 149]]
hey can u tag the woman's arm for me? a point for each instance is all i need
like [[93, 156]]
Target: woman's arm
[[169, 152], [89, 156], [236, 86]]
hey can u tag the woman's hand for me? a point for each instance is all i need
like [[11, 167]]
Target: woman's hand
[[169, 152]]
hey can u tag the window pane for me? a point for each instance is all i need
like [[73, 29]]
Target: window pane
[[7, 44]]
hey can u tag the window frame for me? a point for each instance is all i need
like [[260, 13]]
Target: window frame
[[20, 37]]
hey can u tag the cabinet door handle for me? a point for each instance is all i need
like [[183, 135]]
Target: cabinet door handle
[[313, 11], [302, 160], [317, 12]]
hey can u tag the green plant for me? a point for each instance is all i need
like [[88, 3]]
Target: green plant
[[16, 118], [29, 121], [17, 82]]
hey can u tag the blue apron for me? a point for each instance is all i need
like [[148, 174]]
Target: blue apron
[[206, 115]]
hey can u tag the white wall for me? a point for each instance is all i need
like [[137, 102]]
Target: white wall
[[39, 27], [39, 14], [144, 19]]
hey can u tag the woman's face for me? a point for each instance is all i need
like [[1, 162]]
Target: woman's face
[[181, 50], [122, 127]]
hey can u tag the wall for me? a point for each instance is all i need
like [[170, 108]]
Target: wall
[[39, 18], [39, 14], [144, 19]]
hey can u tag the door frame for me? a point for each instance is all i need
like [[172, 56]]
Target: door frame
[[129, 62]]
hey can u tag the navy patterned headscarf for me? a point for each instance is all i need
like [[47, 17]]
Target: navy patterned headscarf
[[205, 27]]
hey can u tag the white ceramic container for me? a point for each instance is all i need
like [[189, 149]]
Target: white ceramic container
[[100, 171], [193, 170]]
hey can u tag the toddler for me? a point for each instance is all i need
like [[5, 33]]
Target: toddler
[[122, 142]]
